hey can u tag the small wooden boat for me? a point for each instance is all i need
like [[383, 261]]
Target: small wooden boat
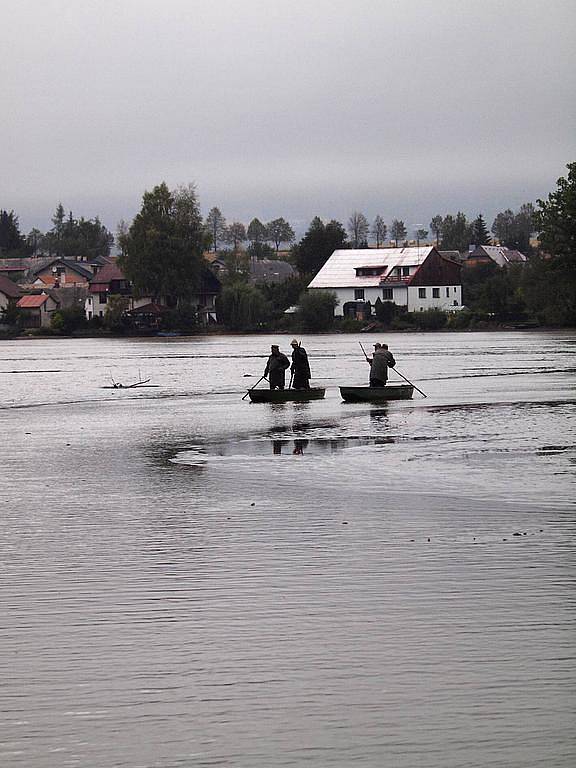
[[286, 395], [377, 394]]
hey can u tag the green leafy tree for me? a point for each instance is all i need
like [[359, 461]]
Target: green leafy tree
[[480, 231], [379, 231], [555, 220], [165, 243], [316, 310], [457, 233], [436, 227], [385, 311], [11, 241], [513, 230], [235, 234], [358, 228], [421, 234], [115, 315], [317, 245], [257, 232], [242, 307], [279, 231], [68, 320], [34, 241], [398, 231], [216, 225]]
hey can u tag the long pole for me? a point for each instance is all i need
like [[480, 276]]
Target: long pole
[[409, 382], [254, 387], [363, 350]]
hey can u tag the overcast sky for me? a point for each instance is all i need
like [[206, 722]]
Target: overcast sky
[[294, 108]]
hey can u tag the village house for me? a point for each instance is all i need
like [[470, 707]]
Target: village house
[[61, 273], [147, 310], [38, 309], [414, 278], [493, 254], [9, 293]]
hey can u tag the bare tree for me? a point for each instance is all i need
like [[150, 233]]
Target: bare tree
[[358, 228], [379, 230]]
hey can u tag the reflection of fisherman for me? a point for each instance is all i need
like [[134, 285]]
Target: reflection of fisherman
[[275, 368], [300, 366], [299, 446], [381, 360]]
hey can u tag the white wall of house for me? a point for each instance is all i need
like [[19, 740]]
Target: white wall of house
[[369, 293], [95, 305], [4, 301], [445, 297]]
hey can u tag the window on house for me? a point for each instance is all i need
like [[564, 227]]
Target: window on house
[[387, 294], [447, 291], [435, 293], [405, 271], [454, 289], [421, 293], [455, 303], [359, 294], [103, 298]]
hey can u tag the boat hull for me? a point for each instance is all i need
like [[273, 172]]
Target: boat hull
[[286, 395], [377, 394]]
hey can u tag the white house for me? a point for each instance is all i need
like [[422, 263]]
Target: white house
[[415, 278]]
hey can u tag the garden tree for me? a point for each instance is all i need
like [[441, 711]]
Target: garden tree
[[457, 233], [237, 266], [242, 307], [279, 231], [316, 310], [216, 225], [385, 311], [358, 228], [235, 234], [164, 244], [398, 230], [257, 232], [115, 314], [69, 319], [480, 231], [122, 235], [285, 294], [379, 230], [11, 241], [550, 283], [34, 240], [436, 227], [317, 245], [260, 251], [514, 229], [421, 234]]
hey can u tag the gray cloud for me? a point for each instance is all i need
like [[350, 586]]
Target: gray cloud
[[400, 108]]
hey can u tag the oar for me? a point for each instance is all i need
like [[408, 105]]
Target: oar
[[363, 350], [254, 387], [291, 379], [409, 382]]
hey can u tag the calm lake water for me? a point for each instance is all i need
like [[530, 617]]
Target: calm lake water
[[179, 588]]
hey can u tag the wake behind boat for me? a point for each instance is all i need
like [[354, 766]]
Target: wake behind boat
[[285, 395], [377, 394]]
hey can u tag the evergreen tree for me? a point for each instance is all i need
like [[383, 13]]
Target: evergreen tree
[[257, 232], [11, 241], [457, 233], [216, 225], [480, 231]]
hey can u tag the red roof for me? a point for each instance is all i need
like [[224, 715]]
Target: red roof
[[150, 309], [108, 273], [33, 301], [8, 288]]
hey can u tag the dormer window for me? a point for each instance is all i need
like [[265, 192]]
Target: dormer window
[[370, 271]]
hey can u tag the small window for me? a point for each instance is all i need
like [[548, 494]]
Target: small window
[[447, 291], [455, 303], [405, 271], [359, 294], [454, 289], [421, 293], [435, 293], [103, 298], [387, 294]]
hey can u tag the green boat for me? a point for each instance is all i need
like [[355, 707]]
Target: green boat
[[377, 394], [286, 395]]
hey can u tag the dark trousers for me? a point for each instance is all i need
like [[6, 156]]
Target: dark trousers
[[277, 379], [377, 383], [300, 381]]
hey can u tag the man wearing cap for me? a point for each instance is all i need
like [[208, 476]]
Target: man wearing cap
[[300, 366], [276, 367], [381, 360]]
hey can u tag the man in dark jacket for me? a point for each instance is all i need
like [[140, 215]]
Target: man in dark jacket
[[381, 360], [300, 366], [276, 367]]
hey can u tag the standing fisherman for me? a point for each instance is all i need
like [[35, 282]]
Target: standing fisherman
[[276, 367], [381, 360], [300, 366]]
